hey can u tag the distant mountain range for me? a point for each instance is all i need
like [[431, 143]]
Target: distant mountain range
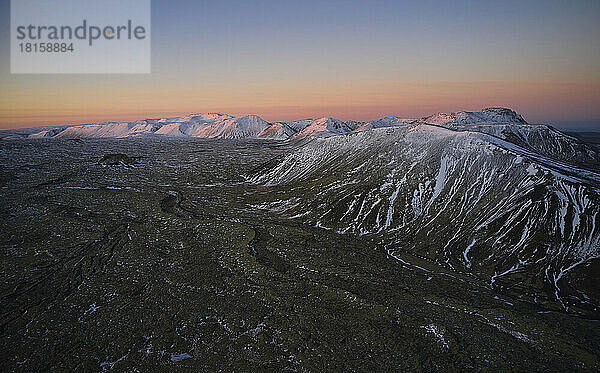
[[217, 125], [502, 123]]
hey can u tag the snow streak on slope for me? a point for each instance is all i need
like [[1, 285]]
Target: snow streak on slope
[[462, 199], [233, 128], [278, 131]]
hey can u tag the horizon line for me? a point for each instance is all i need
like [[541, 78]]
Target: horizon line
[[177, 114]]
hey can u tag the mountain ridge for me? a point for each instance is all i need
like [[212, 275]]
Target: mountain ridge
[[192, 125], [499, 122], [331, 125]]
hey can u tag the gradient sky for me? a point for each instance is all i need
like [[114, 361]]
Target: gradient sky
[[349, 59]]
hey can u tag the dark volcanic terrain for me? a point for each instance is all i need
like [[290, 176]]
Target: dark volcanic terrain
[[162, 254]]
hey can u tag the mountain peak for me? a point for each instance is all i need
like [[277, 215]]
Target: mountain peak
[[490, 115], [504, 114], [324, 127]]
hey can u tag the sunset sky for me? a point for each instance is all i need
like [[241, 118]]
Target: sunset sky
[[359, 60]]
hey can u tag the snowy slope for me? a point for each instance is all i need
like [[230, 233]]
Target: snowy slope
[[299, 125], [390, 121], [463, 199], [470, 118], [278, 130], [324, 127], [508, 125], [46, 133], [96, 130], [233, 128], [210, 125]]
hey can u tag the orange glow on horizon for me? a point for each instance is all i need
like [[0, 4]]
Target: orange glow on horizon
[[284, 101]]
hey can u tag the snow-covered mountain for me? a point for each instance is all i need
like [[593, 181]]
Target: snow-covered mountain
[[508, 125], [325, 127], [464, 119], [278, 130], [499, 122], [390, 121], [46, 133], [299, 125], [520, 221], [211, 125], [248, 126]]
